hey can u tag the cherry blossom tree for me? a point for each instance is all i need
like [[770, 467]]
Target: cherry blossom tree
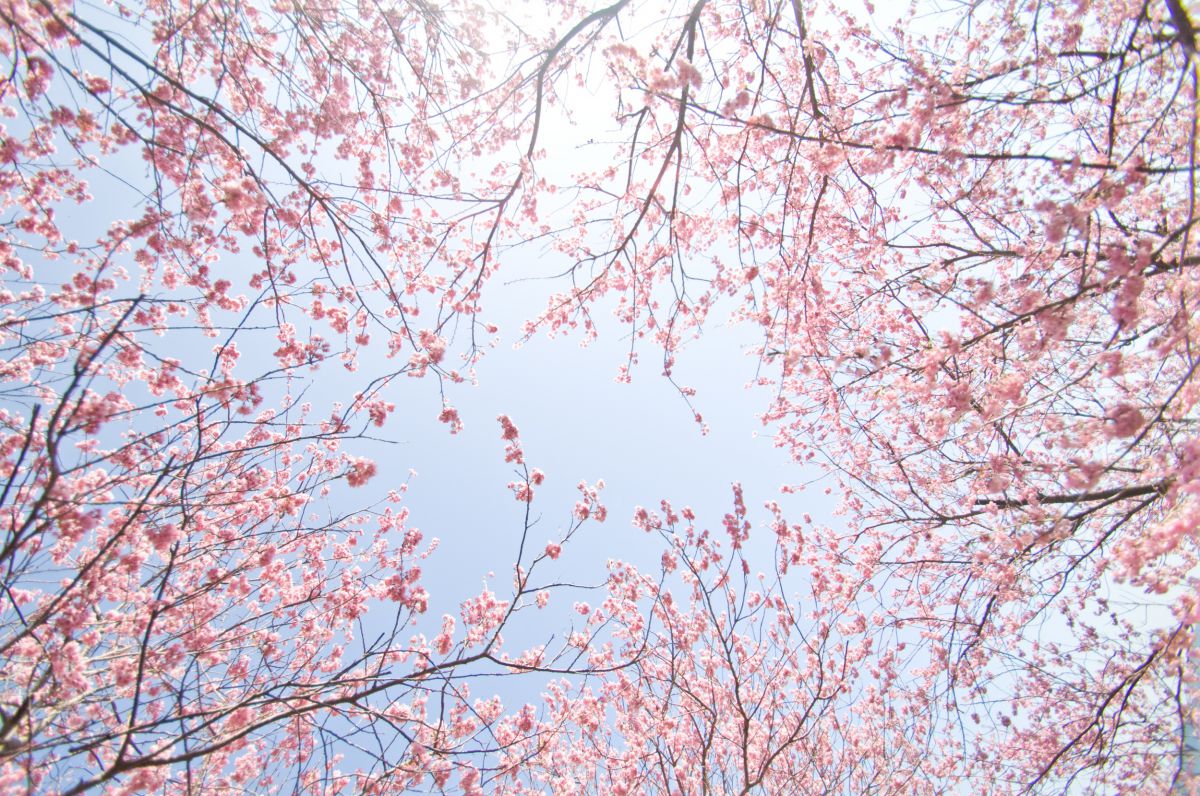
[[188, 604], [964, 238]]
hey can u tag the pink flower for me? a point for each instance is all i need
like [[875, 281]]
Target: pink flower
[[553, 550], [508, 429], [1123, 420], [378, 411], [434, 345], [361, 471], [450, 415], [163, 536], [444, 640], [508, 432]]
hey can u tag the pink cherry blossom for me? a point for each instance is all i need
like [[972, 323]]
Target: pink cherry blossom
[[959, 247]]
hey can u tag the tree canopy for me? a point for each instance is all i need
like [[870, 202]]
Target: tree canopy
[[960, 235]]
